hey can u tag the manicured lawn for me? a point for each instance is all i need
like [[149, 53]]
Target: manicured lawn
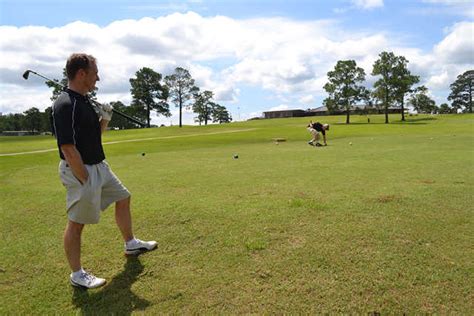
[[382, 225]]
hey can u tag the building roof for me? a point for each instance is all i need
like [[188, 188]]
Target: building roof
[[354, 107], [289, 110], [319, 109]]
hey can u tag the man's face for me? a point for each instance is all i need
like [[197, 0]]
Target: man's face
[[91, 77]]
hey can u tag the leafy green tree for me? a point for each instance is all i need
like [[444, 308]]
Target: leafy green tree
[[220, 114], [384, 88], [343, 86], [57, 86], [3, 123], [8, 122], [181, 89], [13, 122], [422, 103], [331, 105], [120, 121], [445, 109], [137, 111], [202, 106], [46, 120], [148, 93], [402, 81], [462, 91], [32, 121], [19, 122], [366, 98]]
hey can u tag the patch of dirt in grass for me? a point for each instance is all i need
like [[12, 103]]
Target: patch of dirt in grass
[[297, 241], [386, 198], [427, 181], [403, 241], [302, 194]]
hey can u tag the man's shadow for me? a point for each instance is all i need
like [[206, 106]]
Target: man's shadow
[[116, 297]]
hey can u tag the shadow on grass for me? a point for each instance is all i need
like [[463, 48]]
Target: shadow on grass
[[408, 121], [116, 298], [420, 120], [357, 123]]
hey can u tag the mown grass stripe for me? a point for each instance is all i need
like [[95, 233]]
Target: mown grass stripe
[[133, 140]]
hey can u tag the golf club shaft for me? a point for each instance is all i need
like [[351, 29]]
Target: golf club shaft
[[97, 104]]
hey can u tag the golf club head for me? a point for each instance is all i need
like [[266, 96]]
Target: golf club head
[[26, 74]]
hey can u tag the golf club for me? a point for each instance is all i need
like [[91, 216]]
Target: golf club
[[26, 75]]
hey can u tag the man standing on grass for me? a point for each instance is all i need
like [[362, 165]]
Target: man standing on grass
[[90, 183], [316, 129]]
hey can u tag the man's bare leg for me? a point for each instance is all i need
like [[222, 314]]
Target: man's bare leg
[[123, 218], [72, 244]]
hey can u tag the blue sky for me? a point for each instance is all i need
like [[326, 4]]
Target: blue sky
[[255, 55], [423, 22]]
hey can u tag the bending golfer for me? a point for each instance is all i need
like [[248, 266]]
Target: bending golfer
[[316, 129], [90, 183]]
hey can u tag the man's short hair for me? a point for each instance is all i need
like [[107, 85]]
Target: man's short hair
[[78, 61]]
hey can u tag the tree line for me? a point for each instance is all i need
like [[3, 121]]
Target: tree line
[[395, 87], [150, 92]]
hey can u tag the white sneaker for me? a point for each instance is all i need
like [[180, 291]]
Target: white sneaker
[[87, 281], [139, 246]]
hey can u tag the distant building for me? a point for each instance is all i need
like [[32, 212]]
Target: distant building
[[284, 113], [360, 109], [322, 110]]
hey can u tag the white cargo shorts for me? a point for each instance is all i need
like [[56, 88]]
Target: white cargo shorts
[[314, 133], [84, 202]]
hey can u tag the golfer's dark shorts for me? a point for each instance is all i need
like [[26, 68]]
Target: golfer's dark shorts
[[84, 202]]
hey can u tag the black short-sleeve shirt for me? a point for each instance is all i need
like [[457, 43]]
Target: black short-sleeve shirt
[[76, 122], [319, 127]]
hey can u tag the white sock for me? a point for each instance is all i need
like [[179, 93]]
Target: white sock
[[131, 242], [78, 273]]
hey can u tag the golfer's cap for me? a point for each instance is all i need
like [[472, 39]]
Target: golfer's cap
[[326, 126]]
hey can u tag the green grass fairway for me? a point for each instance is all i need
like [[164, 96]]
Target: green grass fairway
[[382, 225]]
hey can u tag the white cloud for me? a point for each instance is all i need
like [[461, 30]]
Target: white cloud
[[280, 107], [226, 94], [438, 80], [449, 2], [288, 59], [307, 99], [360, 5], [453, 7], [251, 115], [450, 57], [368, 4], [458, 46]]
